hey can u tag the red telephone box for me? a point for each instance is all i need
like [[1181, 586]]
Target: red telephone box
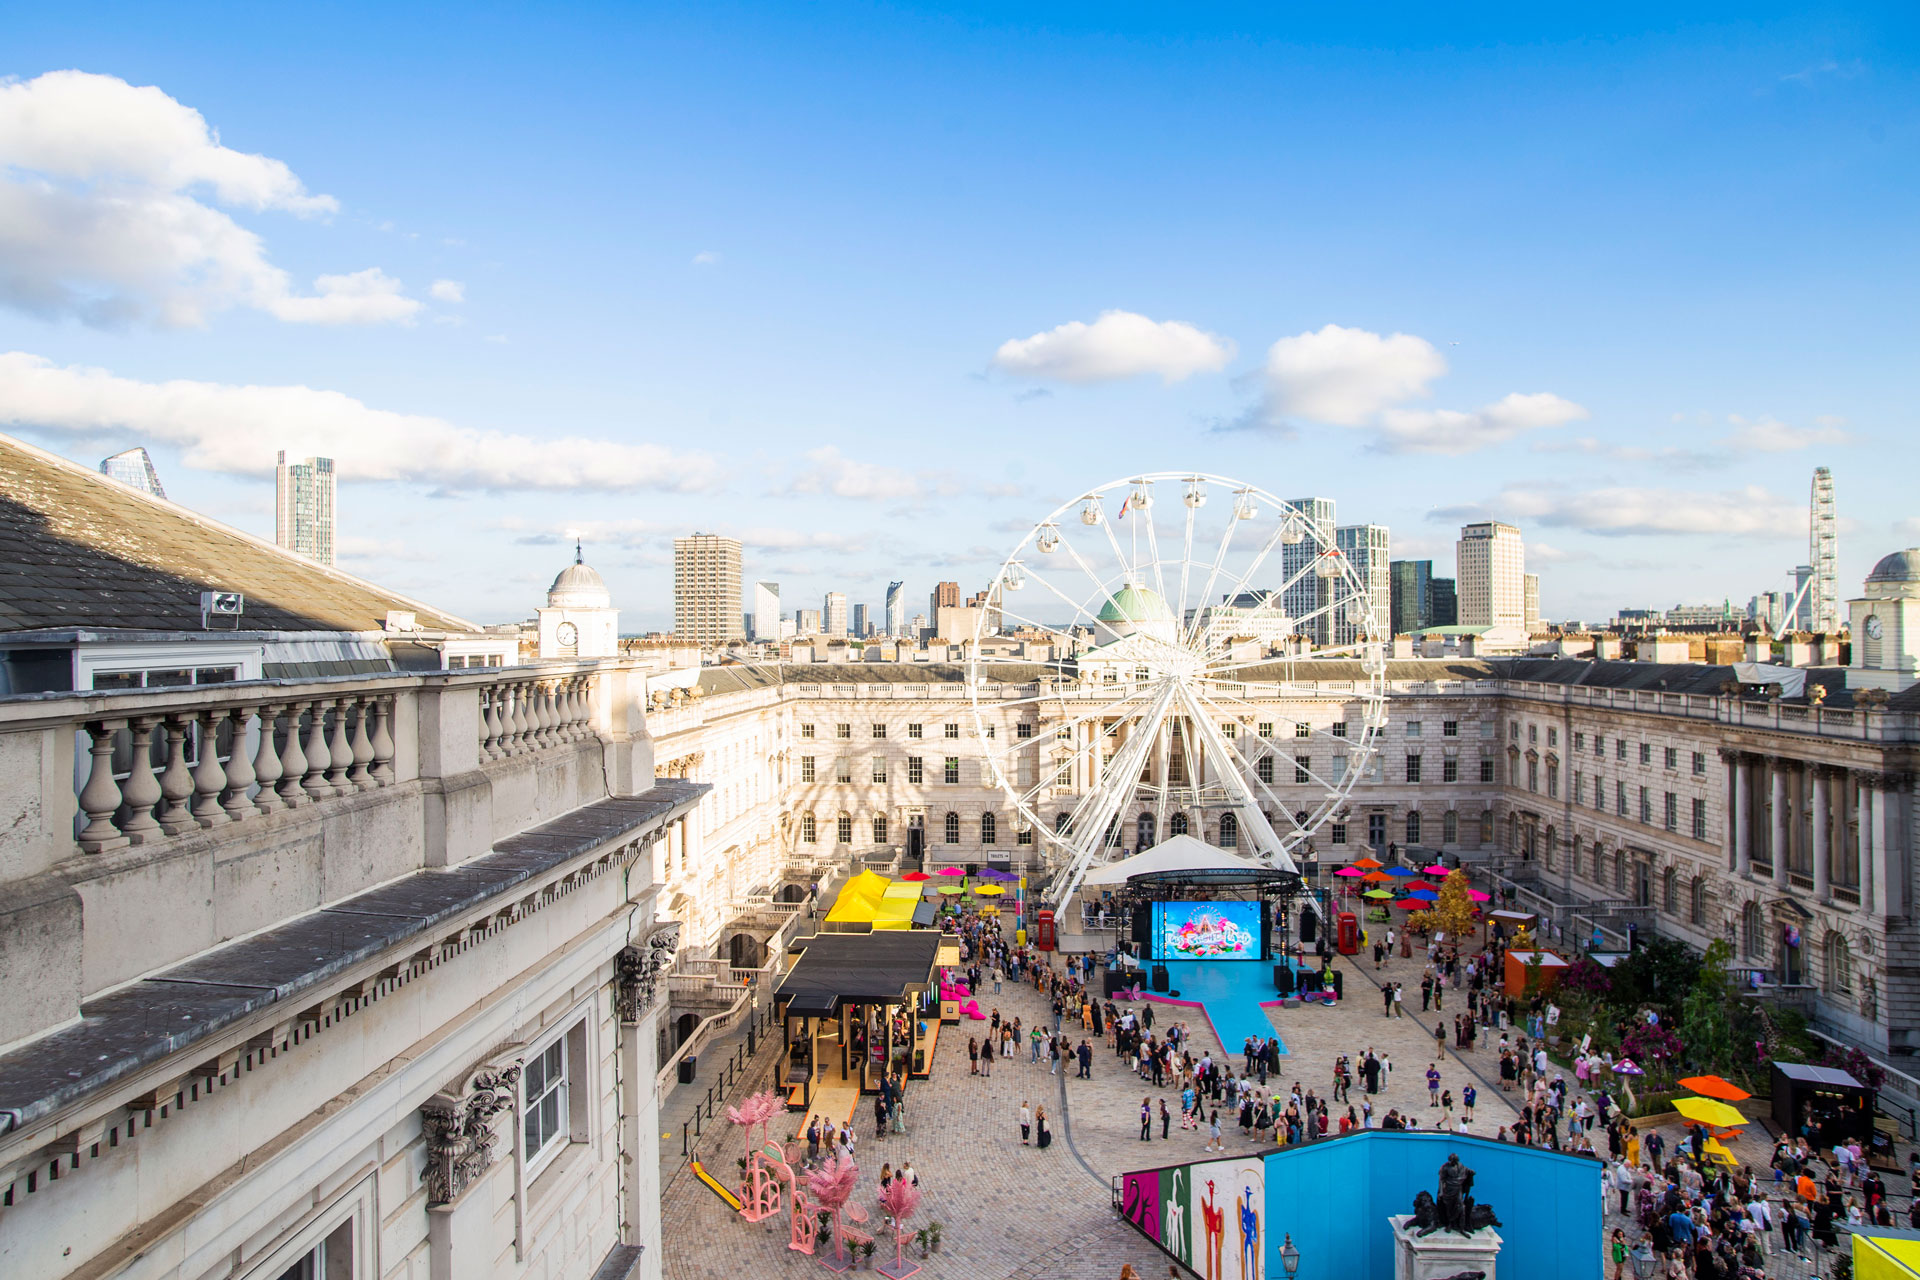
[[1043, 931], [1348, 934]]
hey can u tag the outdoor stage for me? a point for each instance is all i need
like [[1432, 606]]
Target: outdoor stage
[[1233, 995]]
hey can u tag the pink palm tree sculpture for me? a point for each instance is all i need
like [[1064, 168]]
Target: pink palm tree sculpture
[[901, 1198], [759, 1190], [830, 1187]]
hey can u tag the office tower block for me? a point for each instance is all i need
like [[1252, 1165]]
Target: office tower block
[[1412, 603], [134, 469], [833, 613], [1307, 597], [706, 588], [1445, 610], [766, 611], [1365, 548], [303, 507], [896, 609], [1492, 562]]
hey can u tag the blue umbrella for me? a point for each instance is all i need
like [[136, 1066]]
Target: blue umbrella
[[1428, 894], [1405, 873]]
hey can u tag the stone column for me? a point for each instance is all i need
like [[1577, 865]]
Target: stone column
[[1781, 832], [1822, 813], [1742, 814]]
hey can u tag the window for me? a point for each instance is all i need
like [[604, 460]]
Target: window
[[1646, 753], [1413, 827], [809, 832], [913, 731], [879, 731], [548, 1121], [1699, 764], [1751, 931], [1673, 757], [1060, 821], [1646, 806], [1229, 831], [1699, 819], [1579, 786], [1450, 770], [1579, 742], [1339, 728], [951, 730], [989, 829], [1449, 728], [1486, 771], [953, 828], [1449, 827], [1413, 768], [1553, 737], [1301, 729], [1619, 748], [331, 1259], [915, 772], [1339, 835], [952, 772], [843, 731], [1670, 891], [1839, 964], [1533, 775], [1620, 798], [1533, 733], [843, 769], [1672, 812], [1063, 734], [843, 828], [1413, 728], [1697, 901], [879, 768], [1302, 769], [1488, 729], [993, 731], [1600, 745], [1263, 769], [806, 731], [806, 768], [1023, 836], [1023, 730], [1229, 729], [1177, 825], [1553, 779], [879, 828]]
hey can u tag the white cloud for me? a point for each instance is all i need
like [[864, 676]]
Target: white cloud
[[843, 477], [101, 215], [448, 291], [1453, 431], [236, 429], [1770, 435], [1346, 376], [705, 258], [1547, 553], [1747, 512], [1118, 345], [1908, 528]]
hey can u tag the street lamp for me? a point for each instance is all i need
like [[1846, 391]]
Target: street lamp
[[1641, 1256], [1289, 1256]]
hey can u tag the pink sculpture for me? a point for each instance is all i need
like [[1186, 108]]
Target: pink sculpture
[[901, 1198], [759, 1192], [829, 1188]]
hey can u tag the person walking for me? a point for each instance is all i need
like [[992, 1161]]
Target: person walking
[[1386, 1000], [1213, 1132], [1467, 1095], [1399, 1002]]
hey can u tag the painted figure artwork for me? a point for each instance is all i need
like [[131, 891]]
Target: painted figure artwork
[[1213, 1217], [1249, 1207], [1176, 1235], [1140, 1202]]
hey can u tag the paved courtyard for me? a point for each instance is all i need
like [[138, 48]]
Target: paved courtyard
[[1014, 1211]]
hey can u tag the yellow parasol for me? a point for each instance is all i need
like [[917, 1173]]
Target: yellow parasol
[[989, 890], [1707, 1111]]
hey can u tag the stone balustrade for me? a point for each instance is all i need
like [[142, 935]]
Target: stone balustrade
[[519, 715]]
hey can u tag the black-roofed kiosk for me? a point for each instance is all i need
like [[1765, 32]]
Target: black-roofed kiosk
[[850, 1010]]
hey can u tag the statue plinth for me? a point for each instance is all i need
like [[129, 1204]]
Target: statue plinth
[[1442, 1255]]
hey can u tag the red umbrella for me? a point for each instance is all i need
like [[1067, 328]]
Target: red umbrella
[[1413, 904], [916, 875], [1421, 884]]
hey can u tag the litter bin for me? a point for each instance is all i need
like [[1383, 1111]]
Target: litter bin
[[686, 1068]]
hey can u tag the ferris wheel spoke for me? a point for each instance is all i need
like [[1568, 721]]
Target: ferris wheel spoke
[[1236, 783], [1079, 609], [1153, 546], [1313, 777], [1275, 606], [1186, 566], [1192, 633]]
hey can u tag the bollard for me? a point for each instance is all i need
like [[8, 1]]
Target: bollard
[[683, 1138]]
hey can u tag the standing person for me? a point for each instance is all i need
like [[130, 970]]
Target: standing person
[[986, 1058], [1617, 1252], [1146, 1120], [1386, 1001], [1166, 1120], [1399, 1002], [1440, 1037], [973, 1055], [1467, 1095], [1433, 1085], [1042, 1134], [1026, 1122], [1213, 1132], [996, 979]]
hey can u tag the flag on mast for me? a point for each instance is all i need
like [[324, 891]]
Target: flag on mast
[[1124, 506]]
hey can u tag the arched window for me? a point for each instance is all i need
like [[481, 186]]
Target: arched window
[[1229, 831], [1486, 826], [989, 829], [843, 828], [953, 828], [1620, 871], [1752, 941], [809, 833], [1697, 901], [1413, 827], [1177, 825], [1060, 824], [1450, 827], [1839, 964], [1670, 891], [1143, 829], [879, 828]]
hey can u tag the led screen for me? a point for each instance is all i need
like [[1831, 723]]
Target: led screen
[[1206, 931]]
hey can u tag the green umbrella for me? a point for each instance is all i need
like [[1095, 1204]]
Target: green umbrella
[[952, 888], [1378, 893]]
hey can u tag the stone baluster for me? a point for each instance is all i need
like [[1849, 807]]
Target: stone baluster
[[319, 755], [239, 768], [100, 797], [209, 778], [575, 704], [382, 742], [340, 749], [176, 780], [483, 732], [141, 791], [543, 714], [493, 732], [267, 769], [359, 775], [517, 736], [293, 763]]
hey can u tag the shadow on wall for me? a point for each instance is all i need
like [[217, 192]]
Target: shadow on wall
[[1334, 1198]]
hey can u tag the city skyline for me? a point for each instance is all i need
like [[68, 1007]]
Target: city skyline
[[388, 299]]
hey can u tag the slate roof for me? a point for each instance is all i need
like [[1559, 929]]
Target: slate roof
[[134, 1026], [80, 550]]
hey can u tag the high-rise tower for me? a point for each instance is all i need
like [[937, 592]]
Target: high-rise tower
[[134, 469], [1492, 573], [706, 588], [1823, 553], [303, 507]]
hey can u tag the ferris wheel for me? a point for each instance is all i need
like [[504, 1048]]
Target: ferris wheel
[[1165, 637]]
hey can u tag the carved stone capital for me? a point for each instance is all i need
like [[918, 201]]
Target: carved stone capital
[[639, 968], [459, 1130]]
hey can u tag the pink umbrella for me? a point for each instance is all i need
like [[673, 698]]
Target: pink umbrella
[[1436, 870], [1350, 871], [951, 871], [1477, 896]]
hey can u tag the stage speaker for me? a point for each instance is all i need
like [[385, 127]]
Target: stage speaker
[[1339, 989], [1283, 979], [1115, 980], [1309, 923], [1160, 980]]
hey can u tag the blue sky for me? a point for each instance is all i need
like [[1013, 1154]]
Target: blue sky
[[801, 274]]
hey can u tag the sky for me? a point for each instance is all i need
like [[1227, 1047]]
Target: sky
[[875, 288]]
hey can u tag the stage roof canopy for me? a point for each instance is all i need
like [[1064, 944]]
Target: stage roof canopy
[[857, 968], [1183, 858]]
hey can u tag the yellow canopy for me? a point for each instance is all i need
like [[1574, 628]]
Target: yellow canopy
[[1707, 1111], [859, 900], [1885, 1258]]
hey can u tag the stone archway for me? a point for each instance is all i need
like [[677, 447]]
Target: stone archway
[[745, 951], [792, 893], [683, 1028]]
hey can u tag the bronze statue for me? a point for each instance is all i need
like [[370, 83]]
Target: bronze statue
[[1454, 1209]]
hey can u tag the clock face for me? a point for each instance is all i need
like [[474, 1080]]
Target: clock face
[[567, 633], [1874, 627]]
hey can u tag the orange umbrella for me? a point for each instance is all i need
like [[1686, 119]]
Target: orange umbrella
[[1376, 876], [1368, 863], [1715, 1087]]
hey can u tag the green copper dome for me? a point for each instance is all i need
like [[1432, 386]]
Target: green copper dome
[[1136, 605]]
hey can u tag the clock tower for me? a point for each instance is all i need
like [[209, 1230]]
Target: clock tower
[[579, 620], [1886, 625]]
